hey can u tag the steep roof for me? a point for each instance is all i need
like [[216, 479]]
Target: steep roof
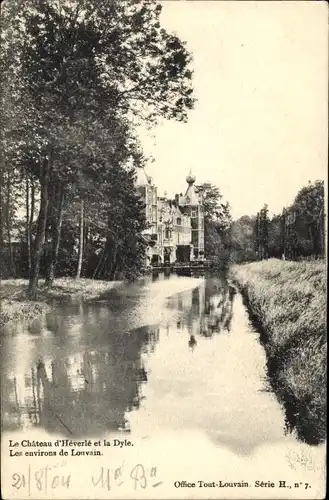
[[142, 179]]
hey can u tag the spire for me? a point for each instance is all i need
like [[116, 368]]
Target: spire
[[190, 179], [191, 197]]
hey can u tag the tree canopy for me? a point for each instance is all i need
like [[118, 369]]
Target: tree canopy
[[298, 232], [78, 77], [217, 221]]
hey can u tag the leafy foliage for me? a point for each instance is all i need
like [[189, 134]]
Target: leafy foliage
[[217, 220], [305, 235], [296, 233], [243, 239], [79, 75]]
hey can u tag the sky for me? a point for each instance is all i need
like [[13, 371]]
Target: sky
[[259, 130]]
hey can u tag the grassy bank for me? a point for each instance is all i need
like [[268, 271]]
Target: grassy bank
[[15, 305], [288, 299]]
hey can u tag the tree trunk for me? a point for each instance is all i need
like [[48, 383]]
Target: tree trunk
[[28, 226], [321, 242], [56, 230], [41, 226], [321, 239], [109, 257], [1, 207], [114, 264], [30, 236], [80, 241], [100, 261], [312, 239], [8, 224]]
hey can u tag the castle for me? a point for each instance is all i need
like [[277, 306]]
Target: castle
[[176, 227]]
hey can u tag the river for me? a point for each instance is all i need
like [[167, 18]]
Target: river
[[166, 359]]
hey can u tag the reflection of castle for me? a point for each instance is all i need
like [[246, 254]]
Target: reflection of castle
[[176, 227], [205, 310]]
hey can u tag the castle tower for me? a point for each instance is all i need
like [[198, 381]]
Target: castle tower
[[149, 195], [191, 204], [148, 192]]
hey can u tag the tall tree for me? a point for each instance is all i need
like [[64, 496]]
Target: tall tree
[[217, 220], [81, 239], [77, 64], [261, 233], [275, 237], [243, 239], [309, 208]]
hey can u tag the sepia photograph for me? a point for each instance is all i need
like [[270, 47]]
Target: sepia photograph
[[163, 223]]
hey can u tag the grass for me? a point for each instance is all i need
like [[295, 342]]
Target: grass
[[288, 300], [15, 305]]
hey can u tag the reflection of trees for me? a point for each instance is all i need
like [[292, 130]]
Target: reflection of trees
[[86, 393], [218, 308], [205, 310], [12, 415], [84, 390]]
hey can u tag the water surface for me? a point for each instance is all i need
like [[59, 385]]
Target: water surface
[[166, 356]]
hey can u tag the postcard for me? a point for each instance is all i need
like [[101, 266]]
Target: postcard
[[162, 249]]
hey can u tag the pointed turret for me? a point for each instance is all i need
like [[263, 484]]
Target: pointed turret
[[142, 179], [191, 198]]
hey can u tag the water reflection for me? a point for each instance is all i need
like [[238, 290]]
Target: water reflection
[[207, 310], [170, 352], [84, 366], [88, 391], [192, 342]]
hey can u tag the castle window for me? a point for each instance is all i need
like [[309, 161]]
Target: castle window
[[179, 221]]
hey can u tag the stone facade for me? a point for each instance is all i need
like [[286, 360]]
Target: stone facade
[[176, 227]]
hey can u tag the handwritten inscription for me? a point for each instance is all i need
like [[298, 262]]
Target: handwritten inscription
[[139, 476], [44, 479], [48, 479]]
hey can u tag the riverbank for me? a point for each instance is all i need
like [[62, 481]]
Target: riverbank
[[288, 300], [15, 305]]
